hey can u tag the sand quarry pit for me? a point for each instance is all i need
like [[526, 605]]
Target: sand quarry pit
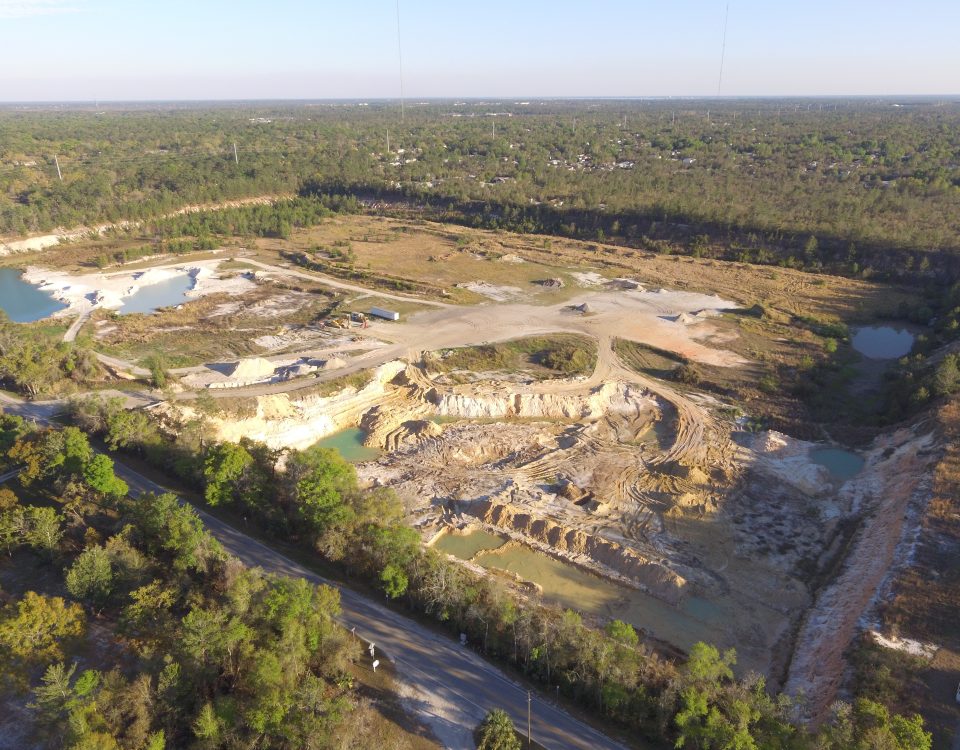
[[689, 528], [612, 472]]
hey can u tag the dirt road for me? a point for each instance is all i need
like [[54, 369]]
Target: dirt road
[[337, 284]]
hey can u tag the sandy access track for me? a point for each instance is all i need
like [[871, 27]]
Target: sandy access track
[[643, 316], [896, 475]]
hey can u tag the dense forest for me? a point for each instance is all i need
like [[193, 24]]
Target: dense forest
[[124, 624], [839, 184]]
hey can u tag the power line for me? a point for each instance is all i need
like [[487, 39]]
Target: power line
[[400, 59], [723, 48]]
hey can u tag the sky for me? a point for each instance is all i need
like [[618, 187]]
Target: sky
[[113, 50]]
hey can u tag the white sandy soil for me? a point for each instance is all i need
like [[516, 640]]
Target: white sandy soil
[[85, 292]]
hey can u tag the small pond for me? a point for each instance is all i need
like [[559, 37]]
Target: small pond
[[350, 444], [841, 464], [465, 546], [696, 619], [168, 293], [882, 342], [23, 302]]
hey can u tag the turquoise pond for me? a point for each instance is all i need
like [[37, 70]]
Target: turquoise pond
[[350, 444], [168, 293], [841, 464], [882, 342], [23, 302]]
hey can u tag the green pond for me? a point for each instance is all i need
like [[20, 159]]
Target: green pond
[[465, 546], [841, 464], [23, 302], [694, 620], [350, 444]]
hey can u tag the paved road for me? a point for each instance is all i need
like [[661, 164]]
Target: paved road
[[461, 686], [452, 687]]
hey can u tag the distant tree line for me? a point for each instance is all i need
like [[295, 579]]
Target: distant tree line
[[877, 186]]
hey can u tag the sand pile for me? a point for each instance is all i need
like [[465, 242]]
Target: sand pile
[[253, 369]]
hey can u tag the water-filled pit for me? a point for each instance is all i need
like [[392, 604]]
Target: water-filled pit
[[24, 302], [167, 293], [349, 443], [695, 619], [882, 342], [842, 464]]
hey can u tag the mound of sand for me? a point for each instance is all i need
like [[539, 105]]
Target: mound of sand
[[255, 368], [334, 363]]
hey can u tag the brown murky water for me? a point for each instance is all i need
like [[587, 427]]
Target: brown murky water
[[695, 619]]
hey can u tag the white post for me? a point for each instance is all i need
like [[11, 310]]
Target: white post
[[236, 158]]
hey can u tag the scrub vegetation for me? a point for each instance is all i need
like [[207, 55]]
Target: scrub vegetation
[[546, 356]]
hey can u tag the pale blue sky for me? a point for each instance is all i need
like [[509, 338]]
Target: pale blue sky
[[215, 49]]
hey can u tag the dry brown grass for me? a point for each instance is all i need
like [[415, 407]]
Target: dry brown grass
[[435, 254], [928, 595], [445, 255]]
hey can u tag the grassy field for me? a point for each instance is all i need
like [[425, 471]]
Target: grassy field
[[540, 357], [439, 255]]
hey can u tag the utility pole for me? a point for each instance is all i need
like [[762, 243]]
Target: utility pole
[[494, 130], [236, 158], [529, 713], [388, 141], [56, 160], [400, 60]]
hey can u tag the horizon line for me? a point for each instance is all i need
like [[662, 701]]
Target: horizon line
[[479, 98]]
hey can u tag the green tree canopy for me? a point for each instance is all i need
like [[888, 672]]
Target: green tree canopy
[[91, 576], [497, 732]]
